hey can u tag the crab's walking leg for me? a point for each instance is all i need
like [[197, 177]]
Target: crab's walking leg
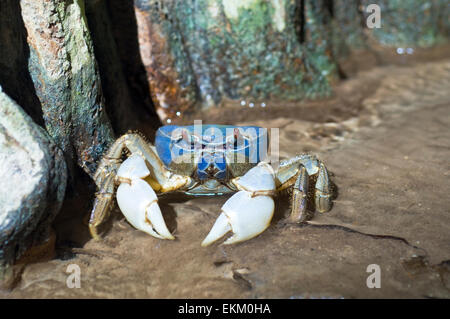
[[322, 194], [299, 196], [137, 145], [102, 204], [105, 180], [295, 173]]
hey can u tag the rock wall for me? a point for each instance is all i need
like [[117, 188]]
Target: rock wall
[[66, 79], [204, 53], [199, 53], [32, 183]]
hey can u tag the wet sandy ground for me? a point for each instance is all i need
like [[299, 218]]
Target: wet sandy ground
[[390, 162]]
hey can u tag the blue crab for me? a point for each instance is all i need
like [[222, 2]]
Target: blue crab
[[206, 160]]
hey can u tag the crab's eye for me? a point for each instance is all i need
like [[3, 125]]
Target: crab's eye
[[190, 139], [235, 139], [236, 135], [186, 136], [177, 135]]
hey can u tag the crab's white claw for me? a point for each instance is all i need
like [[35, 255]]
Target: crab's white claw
[[133, 167], [138, 203], [220, 228], [246, 213]]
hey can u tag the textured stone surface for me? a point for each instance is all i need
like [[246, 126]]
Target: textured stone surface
[[66, 79], [32, 182], [207, 51], [172, 82], [411, 23], [347, 27]]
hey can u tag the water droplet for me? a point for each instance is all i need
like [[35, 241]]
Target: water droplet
[[400, 50], [243, 103]]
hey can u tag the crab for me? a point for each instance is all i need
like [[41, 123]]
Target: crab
[[207, 160]]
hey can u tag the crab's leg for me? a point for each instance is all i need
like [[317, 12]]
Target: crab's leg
[[288, 170], [102, 203], [137, 145], [105, 176], [294, 173], [105, 180], [299, 196], [322, 194]]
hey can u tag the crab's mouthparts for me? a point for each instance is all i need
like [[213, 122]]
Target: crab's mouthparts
[[212, 165]]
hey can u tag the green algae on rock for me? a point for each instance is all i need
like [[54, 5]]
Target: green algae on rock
[[212, 50], [204, 53], [412, 23]]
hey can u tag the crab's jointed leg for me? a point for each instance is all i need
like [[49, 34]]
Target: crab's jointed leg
[[295, 173], [102, 203], [300, 196], [143, 163], [323, 194]]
